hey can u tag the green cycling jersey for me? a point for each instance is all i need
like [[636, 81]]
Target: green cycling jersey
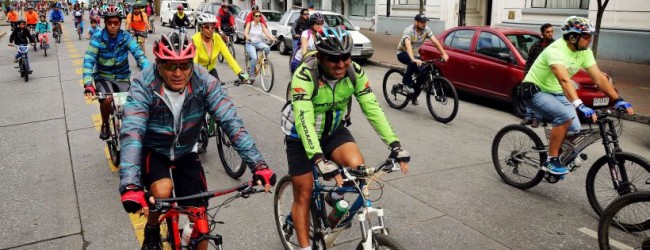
[[317, 116]]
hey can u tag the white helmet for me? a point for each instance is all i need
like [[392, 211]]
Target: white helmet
[[206, 18]]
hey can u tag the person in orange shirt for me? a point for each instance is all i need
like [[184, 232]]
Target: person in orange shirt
[[31, 17], [12, 16], [137, 22]]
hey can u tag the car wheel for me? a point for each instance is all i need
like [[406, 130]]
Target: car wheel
[[282, 46], [161, 22], [518, 106]]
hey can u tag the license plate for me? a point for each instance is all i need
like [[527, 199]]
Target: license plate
[[356, 53], [599, 102], [120, 98]]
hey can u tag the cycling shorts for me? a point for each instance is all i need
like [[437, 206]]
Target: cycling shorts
[[106, 86], [187, 172], [297, 159]]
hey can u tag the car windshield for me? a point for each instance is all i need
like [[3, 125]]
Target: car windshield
[[337, 20], [523, 42], [272, 16]]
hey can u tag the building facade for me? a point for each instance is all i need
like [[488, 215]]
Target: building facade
[[623, 35]]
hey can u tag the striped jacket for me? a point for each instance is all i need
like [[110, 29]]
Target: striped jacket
[[149, 122], [111, 60]]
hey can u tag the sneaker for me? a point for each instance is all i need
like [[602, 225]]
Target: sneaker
[[151, 238], [535, 123], [555, 167], [408, 89], [104, 134], [415, 102]]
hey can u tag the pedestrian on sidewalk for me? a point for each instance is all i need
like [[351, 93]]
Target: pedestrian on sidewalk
[[531, 118], [407, 52]]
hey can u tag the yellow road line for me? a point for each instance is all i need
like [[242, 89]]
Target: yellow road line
[[79, 71], [138, 225], [77, 62], [97, 121], [73, 51], [110, 163], [74, 56], [81, 82]]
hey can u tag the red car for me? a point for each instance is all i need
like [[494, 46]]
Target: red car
[[490, 62]]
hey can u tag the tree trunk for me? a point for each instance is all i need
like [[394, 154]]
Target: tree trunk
[[422, 6], [599, 17]]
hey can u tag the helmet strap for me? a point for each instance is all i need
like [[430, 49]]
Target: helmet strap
[[575, 41]]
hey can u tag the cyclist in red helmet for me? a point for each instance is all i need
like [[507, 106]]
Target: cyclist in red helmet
[[163, 118]]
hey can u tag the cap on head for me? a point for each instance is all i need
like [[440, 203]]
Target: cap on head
[[310, 5], [421, 18], [180, 7]]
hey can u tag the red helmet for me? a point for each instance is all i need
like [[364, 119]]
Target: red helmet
[[180, 7], [174, 46]]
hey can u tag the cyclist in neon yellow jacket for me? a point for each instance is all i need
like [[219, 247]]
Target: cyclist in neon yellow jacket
[[209, 45], [321, 89]]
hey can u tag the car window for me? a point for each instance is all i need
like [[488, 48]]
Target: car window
[[338, 20], [284, 18], [234, 9], [491, 45], [272, 16], [293, 18], [460, 39], [523, 42]]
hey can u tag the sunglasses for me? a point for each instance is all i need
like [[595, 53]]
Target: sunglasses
[[256, 16], [112, 23], [336, 59], [305, 14], [173, 66], [211, 26]]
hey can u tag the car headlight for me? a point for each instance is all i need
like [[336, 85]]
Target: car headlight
[[367, 45]]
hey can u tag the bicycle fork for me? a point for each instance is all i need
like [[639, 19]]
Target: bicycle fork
[[366, 230]]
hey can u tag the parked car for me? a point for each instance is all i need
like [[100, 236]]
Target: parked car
[[213, 8], [362, 46], [272, 17], [168, 10], [490, 62]]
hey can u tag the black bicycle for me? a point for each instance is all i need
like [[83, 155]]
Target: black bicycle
[[518, 154], [228, 38], [442, 99], [631, 214], [115, 123]]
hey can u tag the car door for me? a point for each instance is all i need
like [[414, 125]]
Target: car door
[[489, 72], [457, 44], [240, 22]]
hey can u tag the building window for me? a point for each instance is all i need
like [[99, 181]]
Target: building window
[[560, 4], [410, 2]]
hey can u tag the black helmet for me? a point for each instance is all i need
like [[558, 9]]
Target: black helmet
[[255, 7], [316, 17], [333, 41]]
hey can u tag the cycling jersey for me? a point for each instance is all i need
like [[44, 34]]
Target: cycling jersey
[[149, 122], [93, 12], [318, 116], [31, 18], [110, 57], [43, 27], [78, 15], [557, 53], [56, 16], [210, 61], [12, 16]]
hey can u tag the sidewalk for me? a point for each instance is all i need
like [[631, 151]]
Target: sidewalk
[[631, 80]]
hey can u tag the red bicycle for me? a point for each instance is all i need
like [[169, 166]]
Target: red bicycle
[[203, 222]]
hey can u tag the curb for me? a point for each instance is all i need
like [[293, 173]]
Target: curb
[[2, 34], [640, 118]]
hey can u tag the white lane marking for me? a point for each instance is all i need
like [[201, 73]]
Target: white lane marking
[[281, 99], [614, 243]]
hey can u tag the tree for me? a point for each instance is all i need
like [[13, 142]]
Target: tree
[[599, 17], [422, 6]]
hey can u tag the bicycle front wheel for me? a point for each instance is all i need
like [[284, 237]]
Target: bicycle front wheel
[[517, 154], [114, 142], [442, 100], [633, 171], [627, 213], [267, 75], [230, 159], [394, 92], [231, 48], [25, 70], [381, 241]]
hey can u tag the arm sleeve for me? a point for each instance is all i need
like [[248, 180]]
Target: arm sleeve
[[221, 107], [137, 52], [370, 107], [134, 126], [90, 60], [223, 49], [294, 29], [302, 89]]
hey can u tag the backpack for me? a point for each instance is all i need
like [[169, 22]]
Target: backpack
[[141, 17], [287, 120]]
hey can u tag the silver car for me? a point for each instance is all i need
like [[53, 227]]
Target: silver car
[[272, 17]]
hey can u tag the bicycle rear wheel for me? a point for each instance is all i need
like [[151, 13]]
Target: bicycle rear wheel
[[114, 142], [282, 203], [517, 154], [44, 50], [231, 48], [633, 171], [394, 92], [624, 213], [267, 75], [381, 241], [442, 100], [230, 159]]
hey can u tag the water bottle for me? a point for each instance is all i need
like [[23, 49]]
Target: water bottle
[[187, 233], [579, 160], [337, 212]]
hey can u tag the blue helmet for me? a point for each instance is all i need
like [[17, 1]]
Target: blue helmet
[[334, 41], [578, 25]]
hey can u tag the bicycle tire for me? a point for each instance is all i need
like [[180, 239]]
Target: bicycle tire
[[203, 139], [599, 204], [226, 150], [114, 143], [534, 177], [393, 89], [45, 50], [58, 37], [220, 58], [449, 96], [288, 94], [25, 70], [286, 231], [612, 211], [382, 240], [267, 72], [231, 48]]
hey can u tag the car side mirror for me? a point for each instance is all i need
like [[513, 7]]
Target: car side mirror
[[357, 28], [507, 57]]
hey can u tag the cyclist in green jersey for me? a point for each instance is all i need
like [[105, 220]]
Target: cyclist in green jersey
[[321, 90], [552, 94]]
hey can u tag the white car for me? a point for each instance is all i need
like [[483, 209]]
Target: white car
[[272, 17], [362, 46], [168, 10]]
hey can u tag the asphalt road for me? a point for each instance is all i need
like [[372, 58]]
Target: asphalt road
[[60, 192]]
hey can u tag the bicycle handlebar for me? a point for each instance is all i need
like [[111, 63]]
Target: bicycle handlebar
[[245, 190], [388, 166]]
